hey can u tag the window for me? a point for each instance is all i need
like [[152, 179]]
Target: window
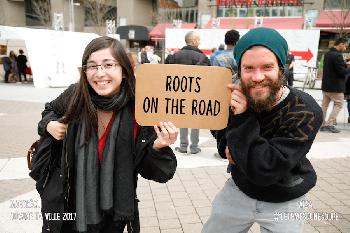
[[282, 12], [274, 12], [221, 12], [242, 12], [267, 12], [259, 12], [38, 13], [331, 4]]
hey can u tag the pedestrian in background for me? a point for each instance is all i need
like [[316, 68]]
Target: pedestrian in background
[[22, 65], [289, 70], [270, 131], [6, 62], [226, 59], [94, 170], [152, 57], [216, 52], [13, 76], [333, 83], [347, 87], [189, 55], [142, 56], [347, 96]]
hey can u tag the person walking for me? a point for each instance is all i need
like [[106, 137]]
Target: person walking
[[226, 59], [189, 55], [216, 52], [347, 87], [6, 62], [289, 70], [347, 96], [22, 65], [13, 76], [98, 149], [270, 131], [333, 84]]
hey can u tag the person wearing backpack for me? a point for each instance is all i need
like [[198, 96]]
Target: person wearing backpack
[[226, 59]]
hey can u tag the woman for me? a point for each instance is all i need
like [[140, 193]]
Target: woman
[[14, 69], [93, 172]]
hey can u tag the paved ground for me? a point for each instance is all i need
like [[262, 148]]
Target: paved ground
[[181, 205]]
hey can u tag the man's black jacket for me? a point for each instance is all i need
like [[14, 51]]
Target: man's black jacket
[[334, 72]]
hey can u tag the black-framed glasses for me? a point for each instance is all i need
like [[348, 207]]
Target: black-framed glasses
[[93, 68]]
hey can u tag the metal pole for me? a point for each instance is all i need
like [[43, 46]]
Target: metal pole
[[71, 15]]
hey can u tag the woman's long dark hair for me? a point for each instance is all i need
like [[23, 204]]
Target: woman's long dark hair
[[80, 106]]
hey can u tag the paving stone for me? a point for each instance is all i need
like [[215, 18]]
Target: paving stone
[[151, 230], [12, 188], [203, 211], [185, 210], [167, 214], [149, 222], [189, 218], [147, 212], [169, 224], [178, 230], [192, 228], [342, 209], [329, 229]]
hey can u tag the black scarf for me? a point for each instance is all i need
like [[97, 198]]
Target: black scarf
[[106, 186], [114, 103]]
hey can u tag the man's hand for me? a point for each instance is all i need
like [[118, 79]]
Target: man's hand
[[56, 129], [239, 103], [167, 135], [228, 156]]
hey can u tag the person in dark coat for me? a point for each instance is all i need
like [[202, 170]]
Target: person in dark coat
[[189, 55], [347, 88], [289, 69], [333, 83], [22, 65], [6, 62], [98, 149], [271, 129], [347, 96]]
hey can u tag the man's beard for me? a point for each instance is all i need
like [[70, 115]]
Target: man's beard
[[267, 103]]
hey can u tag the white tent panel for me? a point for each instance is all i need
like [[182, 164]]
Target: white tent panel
[[54, 55]]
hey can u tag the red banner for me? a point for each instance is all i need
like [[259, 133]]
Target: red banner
[[259, 2]]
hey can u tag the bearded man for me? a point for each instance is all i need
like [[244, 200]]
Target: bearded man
[[271, 129]]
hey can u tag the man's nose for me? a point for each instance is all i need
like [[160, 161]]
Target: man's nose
[[257, 75]]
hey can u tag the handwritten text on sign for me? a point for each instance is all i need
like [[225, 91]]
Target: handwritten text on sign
[[188, 96]]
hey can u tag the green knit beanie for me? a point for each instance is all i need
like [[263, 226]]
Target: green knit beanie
[[266, 37]]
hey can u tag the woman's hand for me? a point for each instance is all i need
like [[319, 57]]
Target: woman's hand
[[56, 129], [167, 135], [239, 103]]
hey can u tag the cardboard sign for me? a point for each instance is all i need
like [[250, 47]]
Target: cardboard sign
[[188, 96]]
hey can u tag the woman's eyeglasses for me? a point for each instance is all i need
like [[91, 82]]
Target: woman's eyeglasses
[[106, 67]]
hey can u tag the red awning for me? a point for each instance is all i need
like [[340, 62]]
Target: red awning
[[333, 18], [248, 23], [158, 32]]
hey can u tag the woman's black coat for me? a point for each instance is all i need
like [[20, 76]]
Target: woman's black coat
[[56, 187]]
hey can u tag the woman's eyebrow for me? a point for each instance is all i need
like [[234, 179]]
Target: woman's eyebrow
[[104, 60]]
